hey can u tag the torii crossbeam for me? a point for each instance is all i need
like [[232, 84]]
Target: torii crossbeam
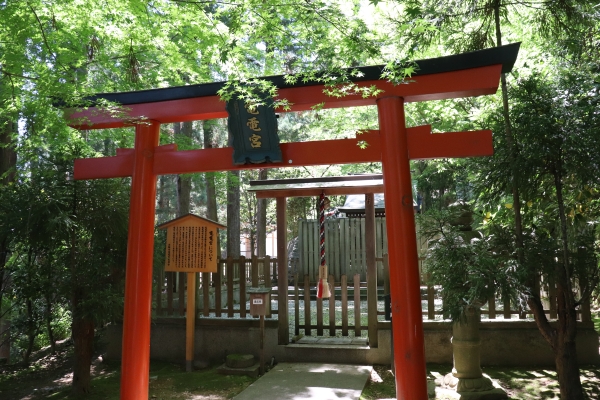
[[463, 75]]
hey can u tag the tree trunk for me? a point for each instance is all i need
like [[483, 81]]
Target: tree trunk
[[261, 219], [184, 190], [565, 353], [184, 183], [233, 214], [8, 156], [252, 221], [82, 328], [82, 331], [567, 369], [8, 161], [510, 142], [31, 331], [4, 287], [48, 318], [211, 194]]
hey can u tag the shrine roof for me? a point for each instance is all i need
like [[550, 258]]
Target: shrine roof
[[308, 187], [504, 55], [356, 204], [181, 221]]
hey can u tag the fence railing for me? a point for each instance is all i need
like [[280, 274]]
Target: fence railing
[[224, 294], [220, 294], [345, 302]]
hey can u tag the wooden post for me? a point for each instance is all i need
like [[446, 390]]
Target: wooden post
[[296, 306], [357, 325], [319, 317], [267, 279], [344, 289], [405, 280], [229, 272], [307, 316], [190, 321], [371, 268], [331, 283], [262, 344], [243, 277], [206, 293], [217, 282], [135, 366], [282, 273]]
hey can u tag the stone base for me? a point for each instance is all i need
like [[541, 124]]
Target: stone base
[[452, 388], [248, 371], [239, 360]]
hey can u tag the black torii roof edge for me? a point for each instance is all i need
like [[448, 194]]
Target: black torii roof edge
[[325, 179], [505, 55]]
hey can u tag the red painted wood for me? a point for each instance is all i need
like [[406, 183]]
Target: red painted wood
[[342, 151], [407, 319], [135, 366], [447, 85], [120, 166], [104, 167], [421, 143]]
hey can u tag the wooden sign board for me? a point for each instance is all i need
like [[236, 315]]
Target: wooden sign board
[[191, 244], [254, 132]]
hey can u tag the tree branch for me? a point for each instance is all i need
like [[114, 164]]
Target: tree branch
[[46, 39]]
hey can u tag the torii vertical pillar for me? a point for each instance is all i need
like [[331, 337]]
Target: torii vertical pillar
[[135, 366], [407, 318]]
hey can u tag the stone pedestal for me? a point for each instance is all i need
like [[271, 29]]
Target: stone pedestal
[[466, 380]]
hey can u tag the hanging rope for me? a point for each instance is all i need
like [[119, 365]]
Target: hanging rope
[[322, 285], [322, 227]]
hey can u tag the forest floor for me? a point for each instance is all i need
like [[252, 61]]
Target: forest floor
[[518, 383], [49, 377]]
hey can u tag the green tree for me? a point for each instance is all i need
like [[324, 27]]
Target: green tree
[[554, 138], [68, 246]]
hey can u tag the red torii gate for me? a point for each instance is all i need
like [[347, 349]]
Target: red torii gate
[[468, 74]]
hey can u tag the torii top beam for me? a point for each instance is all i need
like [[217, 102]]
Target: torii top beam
[[435, 79]]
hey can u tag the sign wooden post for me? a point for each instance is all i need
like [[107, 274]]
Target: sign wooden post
[[191, 248]]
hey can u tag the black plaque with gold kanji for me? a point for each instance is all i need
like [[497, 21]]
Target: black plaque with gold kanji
[[254, 133]]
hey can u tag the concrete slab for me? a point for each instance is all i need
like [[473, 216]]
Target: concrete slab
[[303, 381], [342, 341]]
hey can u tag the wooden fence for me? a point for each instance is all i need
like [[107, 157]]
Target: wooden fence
[[347, 295], [345, 250], [224, 294], [218, 293]]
